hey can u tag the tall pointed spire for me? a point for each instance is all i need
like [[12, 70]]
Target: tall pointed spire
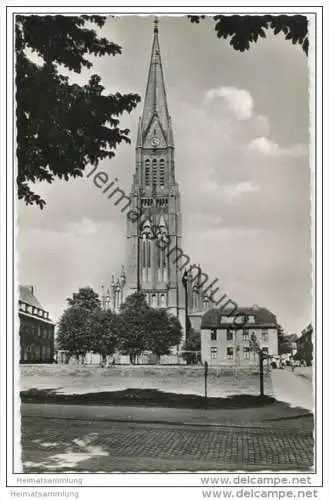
[[155, 102]]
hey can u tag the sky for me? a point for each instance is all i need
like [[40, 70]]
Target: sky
[[241, 131]]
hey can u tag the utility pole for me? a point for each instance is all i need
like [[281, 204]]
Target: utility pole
[[261, 373], [205, 382], [185, 280]]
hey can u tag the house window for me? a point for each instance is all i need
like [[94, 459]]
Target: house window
[[29, 309], [214, 334], [23, 307], [246, 353], [163, 300], [213, 353], [239, 319], [245, 336], [229, 335], [229, 352], [251, 319], [265, 335], [154, 300]]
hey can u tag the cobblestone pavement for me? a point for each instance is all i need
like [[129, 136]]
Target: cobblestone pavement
[[54, 445]]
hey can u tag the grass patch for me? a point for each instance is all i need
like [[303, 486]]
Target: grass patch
[[145, 397], [68, 379]]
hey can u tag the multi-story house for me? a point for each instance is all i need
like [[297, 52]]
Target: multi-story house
[[37, 331], [226, 340], [305, 345]]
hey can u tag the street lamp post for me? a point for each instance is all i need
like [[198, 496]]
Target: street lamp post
[[138, 284], [185, 285]]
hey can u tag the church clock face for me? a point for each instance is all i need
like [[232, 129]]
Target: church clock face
[[155, 141]]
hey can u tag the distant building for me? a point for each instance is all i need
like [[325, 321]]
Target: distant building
[[225, 339], [36, 331], [305, 345]]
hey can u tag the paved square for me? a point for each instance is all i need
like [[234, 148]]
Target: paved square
[[50, 444]]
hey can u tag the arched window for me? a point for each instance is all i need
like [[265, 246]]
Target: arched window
[[162, 172], [147, 172], [146, 252], [154, 300], [163, 302], [154, 172], [164, 265]]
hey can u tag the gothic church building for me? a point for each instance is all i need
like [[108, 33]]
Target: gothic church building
[[152, 265]]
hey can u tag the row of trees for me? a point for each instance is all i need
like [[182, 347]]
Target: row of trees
[[86, 327]]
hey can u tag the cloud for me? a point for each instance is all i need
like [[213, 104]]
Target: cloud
[[239, 101], [264, 146], [85, 227]]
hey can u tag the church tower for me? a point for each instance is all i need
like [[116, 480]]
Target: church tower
[[155, 195]]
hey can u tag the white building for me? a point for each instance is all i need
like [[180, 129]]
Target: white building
[[225, 338]]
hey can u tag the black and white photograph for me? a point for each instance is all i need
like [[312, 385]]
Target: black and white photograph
[[166, 301]]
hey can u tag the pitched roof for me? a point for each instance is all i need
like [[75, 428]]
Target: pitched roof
[[26, 295], [212, 318]]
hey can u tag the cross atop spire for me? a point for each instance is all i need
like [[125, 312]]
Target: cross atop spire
[[156, 22]]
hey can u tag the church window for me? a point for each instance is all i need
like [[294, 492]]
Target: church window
[[148, 253], [144, 253], [154, 300], [162, 173], [159, 263], [164, 265], [147, 173], [163, 300], [154, 172]]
